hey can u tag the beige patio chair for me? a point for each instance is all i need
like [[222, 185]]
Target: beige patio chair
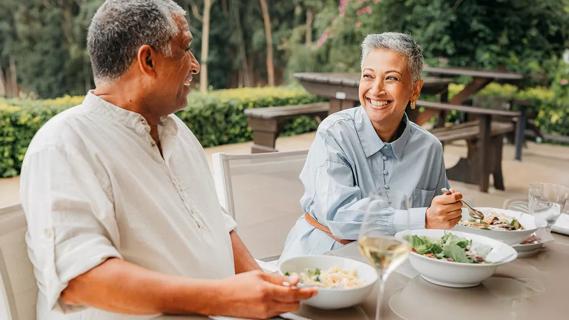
[[261, 192], [18, 290]]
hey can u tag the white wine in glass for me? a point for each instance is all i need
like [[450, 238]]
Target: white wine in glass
[[385, 213], [384, 252]]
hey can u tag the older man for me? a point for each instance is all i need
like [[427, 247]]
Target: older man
[[122, 212]]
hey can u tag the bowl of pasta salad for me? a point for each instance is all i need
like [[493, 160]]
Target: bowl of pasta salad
[[341, 282], [509, 226]]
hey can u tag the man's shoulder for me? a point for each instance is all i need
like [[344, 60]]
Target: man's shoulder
[[185, 134], [181, 127], [56, 131]]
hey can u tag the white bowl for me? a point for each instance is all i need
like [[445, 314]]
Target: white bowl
[[456, 274], [510, 237], [334, 298]]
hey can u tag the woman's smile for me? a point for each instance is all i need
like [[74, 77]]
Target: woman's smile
[[379, 104]]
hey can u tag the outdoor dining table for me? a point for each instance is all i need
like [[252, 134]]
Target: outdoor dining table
[[535, 287]]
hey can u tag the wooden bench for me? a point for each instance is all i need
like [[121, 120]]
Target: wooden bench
[[484, 139], [484, 136], [267, 123]]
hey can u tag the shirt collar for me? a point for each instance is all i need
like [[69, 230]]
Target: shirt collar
[[370, 140], [129, 118]]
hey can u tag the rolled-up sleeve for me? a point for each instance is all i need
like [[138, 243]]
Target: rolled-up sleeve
[[228, 221], [70, 215]]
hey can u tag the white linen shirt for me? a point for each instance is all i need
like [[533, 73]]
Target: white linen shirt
[[94, 185]]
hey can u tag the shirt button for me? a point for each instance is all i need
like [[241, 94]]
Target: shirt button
[[386, 187], [384, 157], [385, 172]]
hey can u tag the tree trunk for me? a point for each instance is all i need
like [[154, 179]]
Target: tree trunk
[[309, 20], [205, 45], [12, 79], [244, 78], [269, 40], [2, 84]]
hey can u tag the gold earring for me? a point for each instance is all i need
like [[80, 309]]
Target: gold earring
[[413, 105]]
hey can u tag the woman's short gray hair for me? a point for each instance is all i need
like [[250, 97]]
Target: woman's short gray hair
[[120, 27], [399, 42]]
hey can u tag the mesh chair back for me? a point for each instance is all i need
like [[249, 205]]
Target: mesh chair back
[[18, 290], [262, 193]]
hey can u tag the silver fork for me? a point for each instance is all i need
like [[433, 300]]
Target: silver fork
[[474, 213]]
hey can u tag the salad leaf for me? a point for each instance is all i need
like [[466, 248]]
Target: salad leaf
[[450, 247], [516, 225], [456, 253], [436, 248]]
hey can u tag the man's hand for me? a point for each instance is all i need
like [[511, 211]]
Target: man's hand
[[445, 211], [256, 294]]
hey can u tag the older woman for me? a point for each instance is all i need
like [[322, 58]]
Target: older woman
[[373, 147]]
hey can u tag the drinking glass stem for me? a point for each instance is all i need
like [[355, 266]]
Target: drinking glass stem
[[379, 295]]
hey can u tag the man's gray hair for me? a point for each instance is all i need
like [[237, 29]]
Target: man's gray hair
[[399, 42], [120, 27]]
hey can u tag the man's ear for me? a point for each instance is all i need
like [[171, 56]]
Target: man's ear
[[146, 60]]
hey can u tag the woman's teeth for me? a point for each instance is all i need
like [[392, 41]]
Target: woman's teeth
[[377, 103]]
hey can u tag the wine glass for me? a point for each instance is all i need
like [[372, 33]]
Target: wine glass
[[386, 212], [546, 201]]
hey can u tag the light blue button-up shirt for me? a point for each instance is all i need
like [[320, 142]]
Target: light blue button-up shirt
[[348, 161]]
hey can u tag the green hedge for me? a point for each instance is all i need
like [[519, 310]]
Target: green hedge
[[215, 118]]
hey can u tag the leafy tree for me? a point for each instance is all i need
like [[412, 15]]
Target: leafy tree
[[519, 35], [8, 49], [42, 42]]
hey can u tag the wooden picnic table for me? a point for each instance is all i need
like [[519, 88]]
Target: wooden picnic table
[[484, 139], [480, 79], [342, 88]]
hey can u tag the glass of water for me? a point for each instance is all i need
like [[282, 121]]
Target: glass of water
[[546, 201]]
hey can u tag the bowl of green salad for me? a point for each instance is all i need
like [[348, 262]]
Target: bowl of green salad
[[453, 258]]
